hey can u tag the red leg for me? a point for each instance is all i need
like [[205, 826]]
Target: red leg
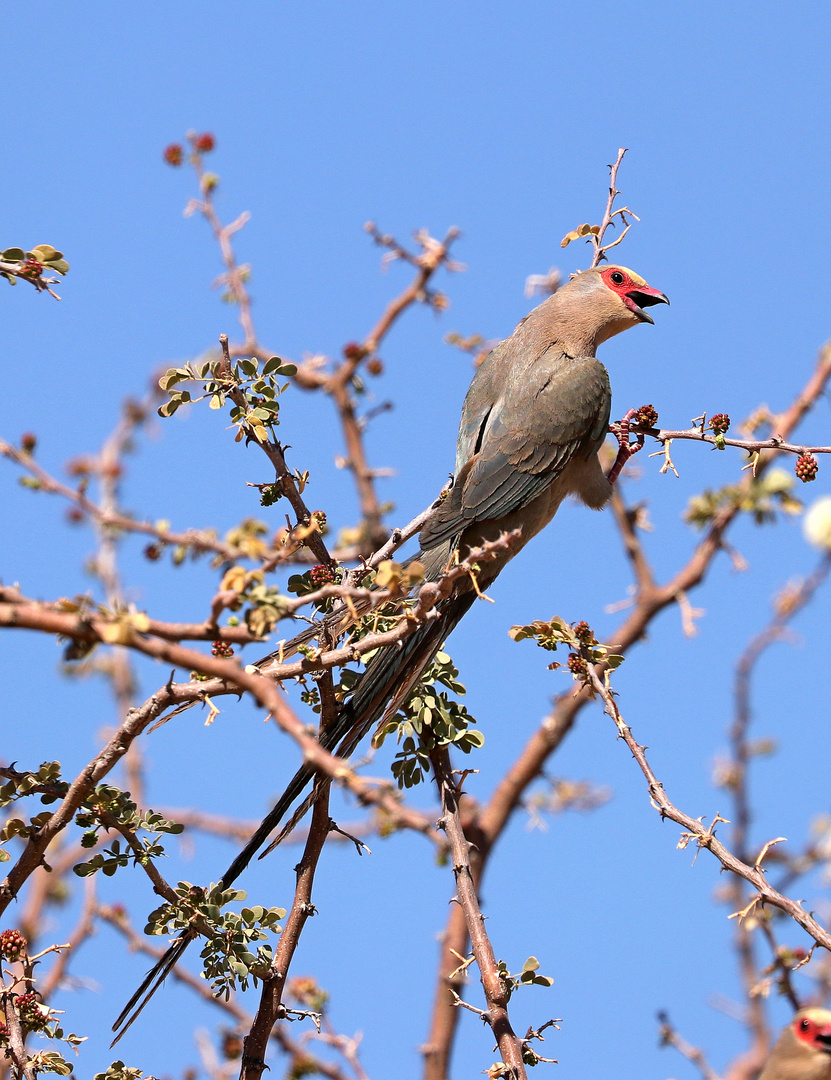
[[625, 448]]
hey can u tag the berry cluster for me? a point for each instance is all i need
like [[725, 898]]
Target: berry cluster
[[12, 944], [32, 268], [204, 143], [174, 155], [223, 649], [319, 518], [577, 665], [32, 1014], [353, 351], [583, 633], [720, 423], [321, 575], [646, 416], [806, 468]]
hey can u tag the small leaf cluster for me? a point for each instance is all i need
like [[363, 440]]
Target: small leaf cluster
[[247, 537], [578, 637], [103, 808], [430, 719], [266, 607], [34, 262], [47, 784], [119, 1071], [527, 977], [763, 498], [228, 961], [256, 415], [581, 231]]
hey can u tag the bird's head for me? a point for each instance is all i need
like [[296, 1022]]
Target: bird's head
[[803, 1051], [609, 299], [812, 1027]]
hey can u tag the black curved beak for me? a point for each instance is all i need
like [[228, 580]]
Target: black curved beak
[[643, 298]]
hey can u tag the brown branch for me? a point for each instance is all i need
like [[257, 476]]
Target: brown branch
[[17, 1049], [496, 991], [84, 929], [192, 538], [695, 831], [610, 215], [337, 385], [787, 605], [775, 442], [271, 1007], [670, 1037]]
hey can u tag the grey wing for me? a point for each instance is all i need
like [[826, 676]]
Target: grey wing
[[550, 412]]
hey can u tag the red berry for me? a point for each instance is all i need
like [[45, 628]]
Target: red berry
[[174, 155], [204, 143], [583, 633], [720, 423], [375, 366], [31, 1012], [12, 944], [222, 649], [353, 351], [806, 468], [28, 442]]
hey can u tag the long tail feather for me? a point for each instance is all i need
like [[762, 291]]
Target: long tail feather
[[153, 980], [387, 681]]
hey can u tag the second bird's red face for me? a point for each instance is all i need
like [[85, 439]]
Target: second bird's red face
[[815, 1034]]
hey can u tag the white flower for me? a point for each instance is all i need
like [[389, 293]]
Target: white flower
[[817, 524]]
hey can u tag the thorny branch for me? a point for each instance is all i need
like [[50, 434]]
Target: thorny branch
[[496, 991], [701, 836], [271, 1008]]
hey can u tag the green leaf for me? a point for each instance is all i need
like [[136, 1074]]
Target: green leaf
[[13, 254], [288, 370], [272, 364], [46, 253]]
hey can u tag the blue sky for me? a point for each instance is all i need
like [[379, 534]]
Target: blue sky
[[501, 120]]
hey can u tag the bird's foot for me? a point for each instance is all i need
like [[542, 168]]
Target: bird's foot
[[626, 449]]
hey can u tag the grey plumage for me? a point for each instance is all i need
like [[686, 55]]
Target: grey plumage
[[533, 420]]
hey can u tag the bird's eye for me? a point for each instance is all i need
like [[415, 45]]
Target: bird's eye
[[805, 1025], [617, 277]]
